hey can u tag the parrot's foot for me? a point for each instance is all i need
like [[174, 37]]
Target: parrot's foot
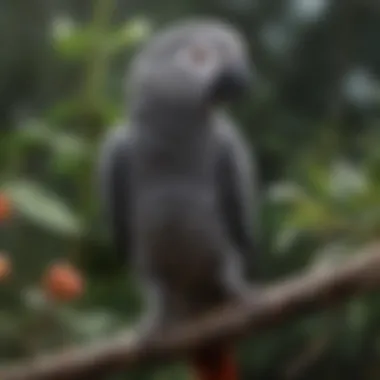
[[159, 316], [154, 325], [149, 330], [237, 288], [249, 295]]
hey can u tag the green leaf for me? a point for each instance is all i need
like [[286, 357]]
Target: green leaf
[[286, 238], [285, 192], [71, 41], [34, 132], [69, 152], [346, 181], [43, 207], [131, 33], [88, 325]]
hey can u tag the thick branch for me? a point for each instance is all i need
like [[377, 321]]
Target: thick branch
[[269, 307]]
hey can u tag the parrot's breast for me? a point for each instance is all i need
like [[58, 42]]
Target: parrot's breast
[[179, 234]]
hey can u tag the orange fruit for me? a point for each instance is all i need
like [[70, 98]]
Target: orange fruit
[[5, 266], [63, 282], [5, 207]]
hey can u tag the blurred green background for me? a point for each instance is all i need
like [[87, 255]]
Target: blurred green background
[[313, 120]]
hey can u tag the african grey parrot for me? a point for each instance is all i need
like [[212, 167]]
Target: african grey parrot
[[178, 182]]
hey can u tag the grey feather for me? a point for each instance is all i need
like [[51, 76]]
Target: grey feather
[[237, 179], [115, 190]]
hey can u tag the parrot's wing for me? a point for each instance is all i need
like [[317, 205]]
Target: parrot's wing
[[113, 174], [238, 190]]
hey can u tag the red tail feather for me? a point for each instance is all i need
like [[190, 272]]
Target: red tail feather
[[215, 365]]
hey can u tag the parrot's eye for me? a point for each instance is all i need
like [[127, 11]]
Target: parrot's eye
[[198, 59], [199, 55]]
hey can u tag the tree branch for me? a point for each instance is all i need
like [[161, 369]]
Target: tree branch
[[268, 307]]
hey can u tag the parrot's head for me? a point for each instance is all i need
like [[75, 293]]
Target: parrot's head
[[192, 63]]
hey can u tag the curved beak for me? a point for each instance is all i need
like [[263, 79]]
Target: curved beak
[[233, 81]]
